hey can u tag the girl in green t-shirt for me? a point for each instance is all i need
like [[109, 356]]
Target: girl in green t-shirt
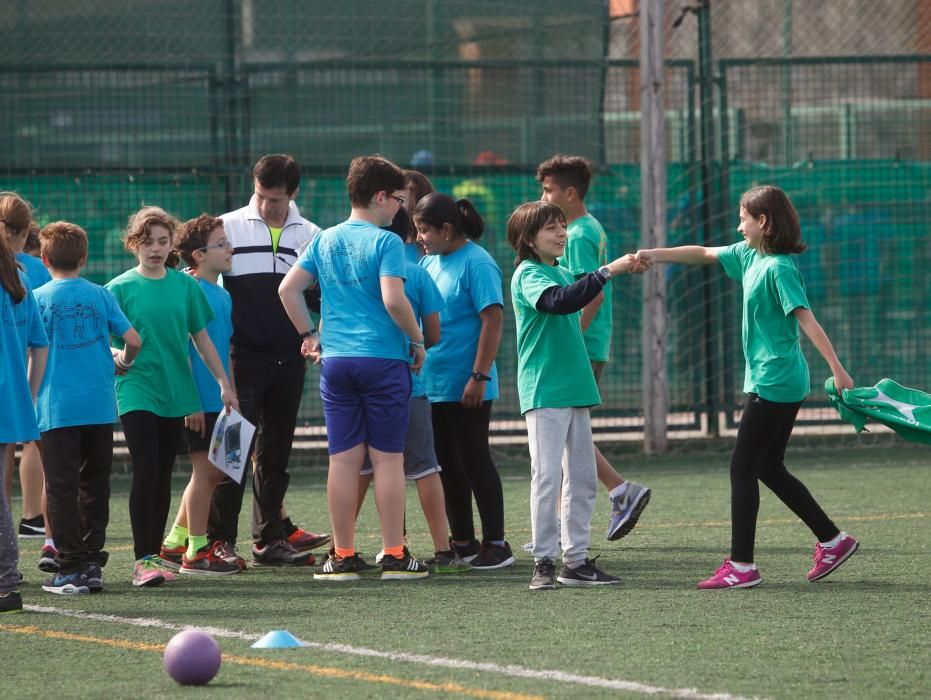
[[776, 379], [557, 388], [157, 390]]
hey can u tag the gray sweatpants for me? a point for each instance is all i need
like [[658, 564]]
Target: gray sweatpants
[[9, 549], [561, 455]]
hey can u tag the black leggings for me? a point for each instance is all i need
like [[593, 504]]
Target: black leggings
[[460, 437], [764, 431], [153, 446]]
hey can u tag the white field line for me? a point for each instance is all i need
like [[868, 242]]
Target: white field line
[[503, 670]]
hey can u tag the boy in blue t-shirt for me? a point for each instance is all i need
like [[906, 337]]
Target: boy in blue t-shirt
[[203, 245], [76, 406]]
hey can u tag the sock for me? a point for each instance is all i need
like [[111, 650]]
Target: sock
[[618, 491], [744, 568], [176, 537], [195, 543], [49, 542], [344, 552], [499, 543], [396, 552], [834, 541]]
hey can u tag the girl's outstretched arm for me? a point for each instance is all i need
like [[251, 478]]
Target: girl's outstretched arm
[[810, 326], [684, 255]]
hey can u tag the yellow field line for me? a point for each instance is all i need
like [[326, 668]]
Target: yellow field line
[[312, 669]]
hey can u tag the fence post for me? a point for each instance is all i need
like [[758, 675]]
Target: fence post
[[653, 222]]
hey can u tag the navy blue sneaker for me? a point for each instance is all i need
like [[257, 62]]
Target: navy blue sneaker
[[68, 584]]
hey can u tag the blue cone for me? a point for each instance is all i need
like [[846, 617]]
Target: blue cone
[[278, 639]]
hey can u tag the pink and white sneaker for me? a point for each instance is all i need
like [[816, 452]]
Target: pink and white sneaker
[[729, 577], [829, 558], [146, 573]]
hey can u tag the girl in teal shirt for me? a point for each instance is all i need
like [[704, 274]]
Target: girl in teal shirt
[[776, 379]]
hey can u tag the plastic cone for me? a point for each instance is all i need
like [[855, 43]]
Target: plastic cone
[[278, 639]]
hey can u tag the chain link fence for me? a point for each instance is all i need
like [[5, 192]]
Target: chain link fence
[[106, 106]]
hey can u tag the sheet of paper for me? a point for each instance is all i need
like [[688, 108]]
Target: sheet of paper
[[230, 443]]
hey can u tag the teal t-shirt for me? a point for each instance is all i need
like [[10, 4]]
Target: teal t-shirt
[[469, 281], [553, 368], [586, 251], [220, 330], [425, 299], [776, 369], [36, 271], [165, 313], [77, 388], [349, 260], [20, 329]]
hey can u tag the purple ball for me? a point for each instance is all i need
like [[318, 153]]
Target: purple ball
[[192, 657]]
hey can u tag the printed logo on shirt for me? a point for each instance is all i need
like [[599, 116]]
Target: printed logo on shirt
[[340, 263], [72, 322]]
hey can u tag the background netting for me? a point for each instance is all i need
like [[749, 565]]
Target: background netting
[[107, 105]]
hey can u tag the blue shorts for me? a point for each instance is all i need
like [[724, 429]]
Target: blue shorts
[[365, 400], [419, 454]]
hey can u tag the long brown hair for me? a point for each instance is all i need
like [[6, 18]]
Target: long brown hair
[[782, 232], [9, 273], [15, 212]]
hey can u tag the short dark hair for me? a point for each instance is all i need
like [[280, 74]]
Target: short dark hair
[[32, 239], [568, 171], [782, 233], [64, 245], [193, 235], [278, 170], [526, 222], [438, 209], [369, 175]]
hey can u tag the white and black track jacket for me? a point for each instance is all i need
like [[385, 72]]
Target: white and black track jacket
[[260, 325]]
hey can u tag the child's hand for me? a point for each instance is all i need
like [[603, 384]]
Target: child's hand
[[228, 396], [310, 348], [418, 355], [644, 259], [842, 380], [196, 423]]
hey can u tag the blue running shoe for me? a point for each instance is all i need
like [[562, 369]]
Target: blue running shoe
[[68, 584], [626, 510]]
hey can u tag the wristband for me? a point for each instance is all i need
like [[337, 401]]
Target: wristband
[[307, 334], [417, 345]]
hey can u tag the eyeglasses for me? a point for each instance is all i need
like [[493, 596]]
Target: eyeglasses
[[223, 246], [399, 200]]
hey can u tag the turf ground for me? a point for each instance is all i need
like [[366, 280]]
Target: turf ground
[[865, 632]]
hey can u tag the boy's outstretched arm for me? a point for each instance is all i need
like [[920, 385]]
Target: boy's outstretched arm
[[684, 255]]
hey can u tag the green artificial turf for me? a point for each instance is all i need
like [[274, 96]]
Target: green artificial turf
[[861, 633]]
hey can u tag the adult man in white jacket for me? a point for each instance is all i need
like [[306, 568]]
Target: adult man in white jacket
[[267, 236]]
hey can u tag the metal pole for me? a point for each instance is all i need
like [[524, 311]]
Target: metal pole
[[653, 223]]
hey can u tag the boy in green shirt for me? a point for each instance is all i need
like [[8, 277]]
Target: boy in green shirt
[[565, 181]]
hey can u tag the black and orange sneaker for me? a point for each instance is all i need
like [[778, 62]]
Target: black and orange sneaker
[[280, 553], [207, 563], [303, 541], [403, 568], [227, 551]]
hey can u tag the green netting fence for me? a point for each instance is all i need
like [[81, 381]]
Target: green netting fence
[[106, 106]]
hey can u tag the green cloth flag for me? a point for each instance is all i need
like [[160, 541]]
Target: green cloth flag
[[906, 411]]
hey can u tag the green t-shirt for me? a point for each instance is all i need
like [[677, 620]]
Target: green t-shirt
[[553, 369], [772, 289], [586, 251], [165, 313], [276, 237]]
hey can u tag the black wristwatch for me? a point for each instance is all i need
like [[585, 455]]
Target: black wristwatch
[[308, 334], [479, 377]]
